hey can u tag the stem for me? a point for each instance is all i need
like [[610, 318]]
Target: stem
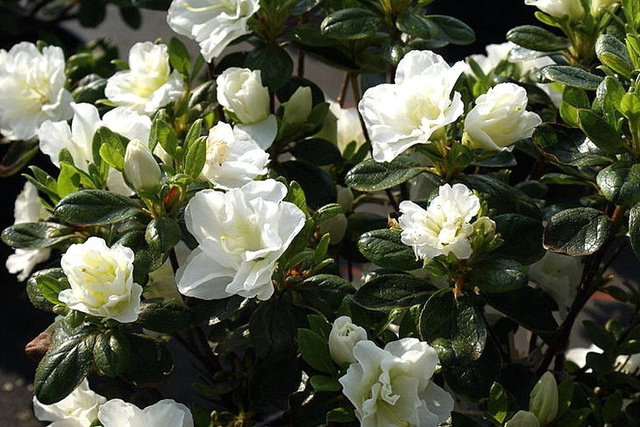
[[173, 258], [301, 57], [343, 90]]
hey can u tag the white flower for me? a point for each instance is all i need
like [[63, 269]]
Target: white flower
[[27, 209], [101, 280], [78, 409], [149, 84], [393, 387], [523, 419], [241, 234], [444, 227], [628, 364], [241, 93], [559, 8], [559, 276], [496, 53], [233, 157], [32, 89], [578, 355], [165, 413], [418, 105], [141, 169], [348, 126], [343, 337], [500, 119], [212, 23], [543, 399]]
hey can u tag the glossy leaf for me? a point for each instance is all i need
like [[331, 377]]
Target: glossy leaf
[[577, 231], [95, 207], [522, 238], [391, 291], [38, 235], [568, 146], [385, 249], [499, 275], [537, 38], [572, 76], [620, 183], [373, 176]]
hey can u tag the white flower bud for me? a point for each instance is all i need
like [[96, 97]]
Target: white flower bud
[[523, 419], [543, 400], [141, 169], [345, 198], [298, 107], [241, 92], [343, 337], [500, 119], [336, 227]]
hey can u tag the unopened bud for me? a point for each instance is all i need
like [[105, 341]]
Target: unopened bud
[[543, 401], [298, 107], [343, 337], [141, 169], [523, 419]]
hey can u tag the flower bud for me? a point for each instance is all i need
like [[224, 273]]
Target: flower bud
[[543, 401], [485, 225], [523, 419], [298, 107], [343, 337], [240, 91], [345, 198], [140, 168], [336, 227]]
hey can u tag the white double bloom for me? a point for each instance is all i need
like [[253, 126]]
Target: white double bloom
[[78, 409], [393, 387], [444, 227], [27, 209], [559, 8], [233, 157], [212, 23], [415, 107], [33, 90], [149, 84], [241, 234], [165, 413], [500, 119], [101, 280]]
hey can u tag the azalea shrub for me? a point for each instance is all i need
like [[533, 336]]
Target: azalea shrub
[[418, 258]]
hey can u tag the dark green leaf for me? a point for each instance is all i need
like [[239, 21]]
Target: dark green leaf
[[44, 286], [350, 24], [620, 183], [163, 316], [162, 234], [613, 53], [272, 329], [451, 30], [537, 38], [414, 25], [634, 229], [600, 336], [315, 351], [391, 291], [151, 363], [324, 383], [274, 63], [572, 76], [131, 16], [317, 151], [498, 403], [164, 134], [605, 136], [95, 207], [38, 235], [385, 249], [179, 56], [373, 176], [18, 155], [472, 380], [568, 146], [499, 275], [325, 292], [152, 4], [91, 13], [577, 231], [316, 183], [522, 238], [111, 352], [502, 197], [527, 306]]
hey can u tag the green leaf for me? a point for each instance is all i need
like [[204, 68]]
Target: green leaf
[[498, 402], [272, 329], [600, 336], [315, 351], [385, 249], [72, 179], [91, 13], [274, 63], [634, 229], [162, 234], [167, 316], [373, 176], [111, 352], [179, 56], [295, 195], [44, 286], [527, 306], [152, 4], [317, 151], [630, 105], [471, 380], [95, 207], [151, 364], [568, 146], [131, 16], [502, 197], [613, 53], [451, 30], [537, 38], [324, 383], [341, 415], [106, 137], [317, 184], [325, 292], [112, 156], [38, 235], [64, 366], [389, 291], [350, 24], [18, 155], [164, 134], [522, 238], [415, 25], [605, 136], [577, 231], [499, 275], [620, 183], [572, 76]]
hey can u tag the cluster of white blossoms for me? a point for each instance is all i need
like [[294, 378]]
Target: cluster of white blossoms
[[101, 280], [445, 226], [148, 84], [84, 406], [572, 9], [413, 109], [390, 386], [33, 89], [212, 23], [240, 234]]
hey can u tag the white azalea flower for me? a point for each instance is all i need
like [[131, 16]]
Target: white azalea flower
[[496, 53], [233, 157], [241, 234], [141, 169], [559, 276], [393, 387], [27, 209], [165, 413], [418, 105], [78, 409], [500, 119], [343, 337], [149, 84], [101, 280], [444, 227], [212, 23], [32, 89], [628, 364], [559, 8], [348, 126]]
